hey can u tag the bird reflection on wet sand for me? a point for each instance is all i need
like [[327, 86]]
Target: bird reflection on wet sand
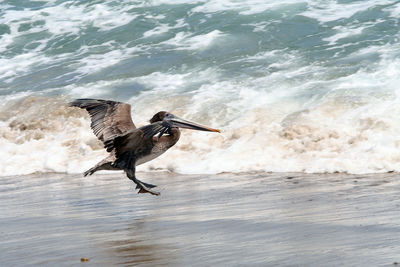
[[132, 248]]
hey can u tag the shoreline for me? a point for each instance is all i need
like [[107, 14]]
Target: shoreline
[[167, 172], [201, 220]]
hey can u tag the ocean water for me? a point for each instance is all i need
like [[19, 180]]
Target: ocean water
[[295, 86]]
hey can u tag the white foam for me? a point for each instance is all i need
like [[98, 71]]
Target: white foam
[[42, 135], [171, 2], [394, 10], [260, 27], [291, 116], [162, 28], [261, 130], [70, 18], [9, 68], [97, 62], [63, 19], [331, 10], [265, 131], [188, 41], [349, 31], [243, 7], [351, 126], [343, 32]]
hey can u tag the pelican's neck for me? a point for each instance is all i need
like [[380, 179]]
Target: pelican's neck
[[173, 137], [167, 141]]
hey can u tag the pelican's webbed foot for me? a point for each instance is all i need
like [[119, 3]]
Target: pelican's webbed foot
[[142, 186], [145, 188]]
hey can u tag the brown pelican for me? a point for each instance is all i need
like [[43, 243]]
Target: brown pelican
[[130, 146]]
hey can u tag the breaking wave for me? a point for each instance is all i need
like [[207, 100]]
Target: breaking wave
[[295, 86]]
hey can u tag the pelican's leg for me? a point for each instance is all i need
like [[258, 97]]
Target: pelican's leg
[[127, 162], [142, 186], [105, 164]]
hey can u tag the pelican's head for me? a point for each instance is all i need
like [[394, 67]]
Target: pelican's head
[[177, 122]]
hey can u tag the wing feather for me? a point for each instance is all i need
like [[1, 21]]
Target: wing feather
[[109, 118], [152, 129]]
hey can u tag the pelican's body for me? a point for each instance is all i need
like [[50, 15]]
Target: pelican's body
[[157, 147], [130, 146], [161, 145]]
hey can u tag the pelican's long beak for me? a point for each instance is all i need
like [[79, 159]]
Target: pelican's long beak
[[181, 123]]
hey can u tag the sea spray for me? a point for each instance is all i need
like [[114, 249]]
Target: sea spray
[[295, 86]]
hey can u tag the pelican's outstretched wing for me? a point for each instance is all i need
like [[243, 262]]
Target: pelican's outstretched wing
[[109, 118]]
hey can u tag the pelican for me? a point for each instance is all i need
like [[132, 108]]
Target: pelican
[[129, 146]]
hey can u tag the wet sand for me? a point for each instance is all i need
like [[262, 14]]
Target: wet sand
[[259, 219]]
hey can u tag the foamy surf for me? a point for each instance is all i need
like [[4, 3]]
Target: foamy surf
[[45, 135], [295, 86]]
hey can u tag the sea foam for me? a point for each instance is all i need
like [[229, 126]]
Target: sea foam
[[261, 131], [309, 86]]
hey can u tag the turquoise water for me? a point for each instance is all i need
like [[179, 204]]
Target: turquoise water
[[309, 86]]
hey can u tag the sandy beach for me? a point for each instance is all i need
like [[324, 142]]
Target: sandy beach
[[257, 219], [296, 89]]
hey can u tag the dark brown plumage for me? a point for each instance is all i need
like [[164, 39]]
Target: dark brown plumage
[[129, 146]]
